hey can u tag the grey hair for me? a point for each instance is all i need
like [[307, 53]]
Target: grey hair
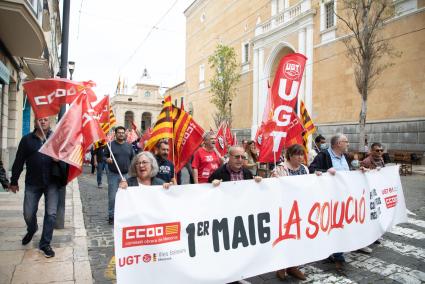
[[207, 135], [335, 139], [232, 148], [152, 160]]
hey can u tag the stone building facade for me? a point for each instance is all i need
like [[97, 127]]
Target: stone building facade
[[30, 33], [264, 31], [142, 106]]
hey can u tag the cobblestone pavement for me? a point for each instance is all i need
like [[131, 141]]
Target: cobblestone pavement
[[400, 258]]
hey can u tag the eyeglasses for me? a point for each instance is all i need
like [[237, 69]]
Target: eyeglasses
[[238, 156], [120, 132], [345, 141], [144, 163], [379, 150]]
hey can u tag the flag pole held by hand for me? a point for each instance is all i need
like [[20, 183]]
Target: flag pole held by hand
[[115, 162]]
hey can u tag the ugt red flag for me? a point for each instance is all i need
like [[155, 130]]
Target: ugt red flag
[[284, 94], [267, 115], [74, 134], [187, 137], [46, 96]]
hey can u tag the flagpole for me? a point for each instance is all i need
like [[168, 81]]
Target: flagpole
[[274, 159], [172, 142], [115, 161]]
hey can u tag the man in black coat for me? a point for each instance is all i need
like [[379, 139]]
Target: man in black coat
[[232, 170]]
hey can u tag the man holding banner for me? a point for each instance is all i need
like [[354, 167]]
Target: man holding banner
[[123, 153], [332, 160]]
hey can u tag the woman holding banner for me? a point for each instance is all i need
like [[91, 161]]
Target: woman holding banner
[[292, 166], [143, 171]]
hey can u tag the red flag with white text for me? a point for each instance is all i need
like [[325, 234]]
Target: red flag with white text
[[46, 96], [74, 134], [284, 94]]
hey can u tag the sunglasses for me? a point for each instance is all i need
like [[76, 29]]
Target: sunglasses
[[379, 150], [238, 156]]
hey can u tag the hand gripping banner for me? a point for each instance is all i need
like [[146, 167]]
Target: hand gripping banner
[[201, 234]]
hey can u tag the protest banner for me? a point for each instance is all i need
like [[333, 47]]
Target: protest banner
[[202, 234]]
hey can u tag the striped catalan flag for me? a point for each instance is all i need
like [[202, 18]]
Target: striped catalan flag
[[106, 116], [307, 124], [163, 128], [187, 137]]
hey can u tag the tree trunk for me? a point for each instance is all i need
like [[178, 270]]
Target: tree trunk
[[362, 124]]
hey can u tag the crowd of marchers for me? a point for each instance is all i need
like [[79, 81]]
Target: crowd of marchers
[[127, 165]]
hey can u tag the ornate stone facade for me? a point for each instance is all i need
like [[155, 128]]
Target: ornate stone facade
[[263, 31], [142, 106]]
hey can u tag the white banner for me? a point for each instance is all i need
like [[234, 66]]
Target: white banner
[[201, 234]]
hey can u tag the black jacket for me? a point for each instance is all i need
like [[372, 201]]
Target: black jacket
[[223, 174], [41, 169], [323, 162], [132, 181]]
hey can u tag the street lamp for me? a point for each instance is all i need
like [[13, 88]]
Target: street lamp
[[71, 67]]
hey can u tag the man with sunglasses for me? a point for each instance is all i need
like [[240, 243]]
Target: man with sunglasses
[[374, 160], [233, 170]]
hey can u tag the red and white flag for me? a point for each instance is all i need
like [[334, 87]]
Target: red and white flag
[[74, 134], [46, 96], [284, 94]]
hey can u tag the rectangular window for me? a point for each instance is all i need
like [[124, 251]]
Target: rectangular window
[[201, 76], [329, 10], [201, 73], [246, 52]]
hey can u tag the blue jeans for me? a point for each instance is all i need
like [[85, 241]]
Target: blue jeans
[[113, 182], [32, 197], [101, 166]]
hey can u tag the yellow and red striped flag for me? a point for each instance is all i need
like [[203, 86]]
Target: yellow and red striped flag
[[307, 123], [163, 128]]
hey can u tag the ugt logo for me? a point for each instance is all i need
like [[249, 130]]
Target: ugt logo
[[292, 70]]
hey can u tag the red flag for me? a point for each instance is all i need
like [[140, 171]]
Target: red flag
[[131, 136], [133, 126], [187, 137], [74, 134], [106, 116], [284, 96], [145, 137], [221, 139], [47, 96], [295, 131]]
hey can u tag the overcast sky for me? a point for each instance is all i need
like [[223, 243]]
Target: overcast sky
[[109, 39]]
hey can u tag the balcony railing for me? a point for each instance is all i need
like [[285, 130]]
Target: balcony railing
[[284, 17]]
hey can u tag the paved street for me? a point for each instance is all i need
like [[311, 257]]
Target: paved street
[[399, 259]]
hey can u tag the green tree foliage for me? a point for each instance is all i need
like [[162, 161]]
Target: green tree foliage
[[223, 83]]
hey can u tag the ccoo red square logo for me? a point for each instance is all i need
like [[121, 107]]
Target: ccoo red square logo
[[150, 234], [391, 201]]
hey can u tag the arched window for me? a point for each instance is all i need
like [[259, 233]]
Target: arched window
[[146, 120], [128, 119]]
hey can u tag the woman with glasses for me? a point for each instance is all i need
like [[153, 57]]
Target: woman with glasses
[[292, 166], [251, 158], [143, 171]]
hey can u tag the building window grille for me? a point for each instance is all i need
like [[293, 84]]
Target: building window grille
[[329, 10]]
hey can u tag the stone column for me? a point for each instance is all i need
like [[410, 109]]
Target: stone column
[[255, 93], [308, 96], [302, 50]]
